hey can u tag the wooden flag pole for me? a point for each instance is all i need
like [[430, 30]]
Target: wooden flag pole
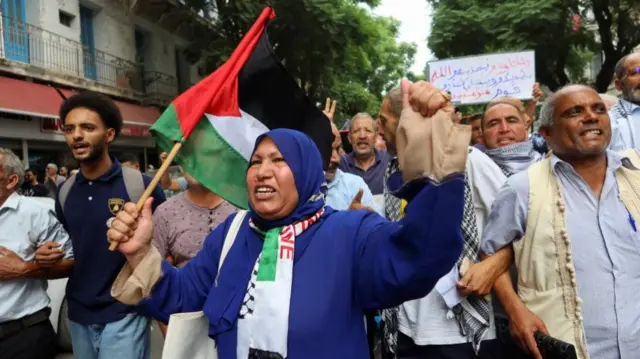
[[154, 182]]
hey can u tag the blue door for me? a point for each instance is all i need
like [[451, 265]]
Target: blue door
[[15, 33], [88, 48]]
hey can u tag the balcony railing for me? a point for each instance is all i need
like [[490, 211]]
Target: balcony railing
[[29, 44], [160, 87]]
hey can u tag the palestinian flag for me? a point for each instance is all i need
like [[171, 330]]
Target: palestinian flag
[[219, 118]]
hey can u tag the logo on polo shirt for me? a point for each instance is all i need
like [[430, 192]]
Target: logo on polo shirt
[[115, 205]]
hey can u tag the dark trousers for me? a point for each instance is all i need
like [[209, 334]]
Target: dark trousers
[[372, 329], [407, 349], [35, 342]]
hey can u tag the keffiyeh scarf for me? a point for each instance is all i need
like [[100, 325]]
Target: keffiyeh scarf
[[515, 158], [264, 316], [474, 313]]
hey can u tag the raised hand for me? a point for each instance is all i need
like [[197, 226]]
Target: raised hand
[[330, 108], [537, 93], [356, 203], [428, 99], [429, 144]]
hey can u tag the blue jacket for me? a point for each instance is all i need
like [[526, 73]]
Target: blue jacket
[[355, 261]]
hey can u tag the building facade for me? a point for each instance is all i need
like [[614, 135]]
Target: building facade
[[130, 50]]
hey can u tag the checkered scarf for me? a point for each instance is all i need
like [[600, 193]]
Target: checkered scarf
[[473, 314], [392, 204], [505, 171], [263, 324]]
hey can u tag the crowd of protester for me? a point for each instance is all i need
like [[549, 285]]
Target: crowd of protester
[[511, 235]]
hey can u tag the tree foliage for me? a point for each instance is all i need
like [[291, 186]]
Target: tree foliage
[[334, 48], [618, 30], [563, 53]]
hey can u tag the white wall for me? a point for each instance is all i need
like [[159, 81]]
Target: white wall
[[113, 34], [114, 30], [50, 21], [32, 12], [159, 46], [46, 47]]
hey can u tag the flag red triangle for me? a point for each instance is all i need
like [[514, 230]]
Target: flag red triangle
[[217, 94]]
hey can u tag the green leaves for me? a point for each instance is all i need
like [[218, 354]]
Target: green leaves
[[563, 54]]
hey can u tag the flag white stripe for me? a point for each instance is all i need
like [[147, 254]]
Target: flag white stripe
[[239, 132]]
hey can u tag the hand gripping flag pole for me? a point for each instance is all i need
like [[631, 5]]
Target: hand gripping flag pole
[[154, 182]]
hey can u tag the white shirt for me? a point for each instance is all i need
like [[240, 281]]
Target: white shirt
[[344, 188], [25, 225], [428, 321], [625, 126]]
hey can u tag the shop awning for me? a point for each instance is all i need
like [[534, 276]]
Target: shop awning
[[28, 98], [138, 115], [131, 114]]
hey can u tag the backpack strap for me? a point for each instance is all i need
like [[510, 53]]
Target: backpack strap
[[133, 183], [64, 191], [232, 233]]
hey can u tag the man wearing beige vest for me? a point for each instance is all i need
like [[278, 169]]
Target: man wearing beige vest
[[571, 220]]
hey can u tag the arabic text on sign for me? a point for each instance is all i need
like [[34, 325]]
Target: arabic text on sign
[[482, 78]]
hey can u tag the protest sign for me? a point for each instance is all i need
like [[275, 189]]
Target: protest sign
[[480, 79]]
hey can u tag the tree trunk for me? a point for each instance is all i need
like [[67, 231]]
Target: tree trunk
[[547, 74], [603, 80]]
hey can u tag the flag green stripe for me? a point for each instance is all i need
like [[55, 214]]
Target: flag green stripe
[[269, 256], [206, 156]]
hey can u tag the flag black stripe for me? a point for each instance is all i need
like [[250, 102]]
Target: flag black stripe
[[269, 93]]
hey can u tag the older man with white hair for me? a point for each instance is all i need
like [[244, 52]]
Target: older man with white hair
[[52, 179], [625, 114], [571, 221], [26, 225], [346, 191], [365, 160]]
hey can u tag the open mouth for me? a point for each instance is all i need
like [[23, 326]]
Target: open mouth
[[80, 148], [591, 133], [505, 141], [264, 192]]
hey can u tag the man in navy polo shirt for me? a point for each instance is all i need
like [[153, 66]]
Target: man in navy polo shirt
[[101, 327], [365, 161]]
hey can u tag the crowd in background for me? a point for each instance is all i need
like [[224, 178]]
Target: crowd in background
[[550, 241]]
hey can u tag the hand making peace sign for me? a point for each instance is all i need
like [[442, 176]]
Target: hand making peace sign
[[329, 108]]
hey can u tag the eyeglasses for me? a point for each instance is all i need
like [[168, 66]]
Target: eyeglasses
[[632, 72]]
